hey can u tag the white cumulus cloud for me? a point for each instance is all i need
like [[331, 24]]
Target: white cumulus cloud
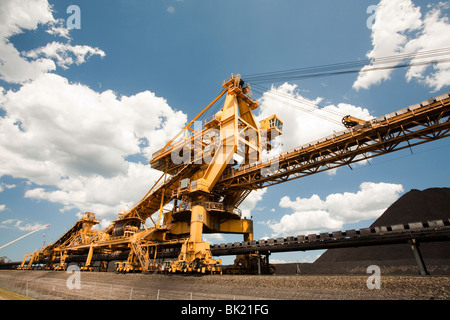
[[303, 120], [250, 202], [67, 135], [73, 144], [17, 16], [65, 54], [19, 224], [315, 214], [400, 28]]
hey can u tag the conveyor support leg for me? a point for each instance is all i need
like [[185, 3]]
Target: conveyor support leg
[[418, 256]]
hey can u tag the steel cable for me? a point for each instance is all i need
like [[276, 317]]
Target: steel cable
[[441, 55]]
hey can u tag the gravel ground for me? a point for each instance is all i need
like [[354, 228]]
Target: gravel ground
[[97, 285]]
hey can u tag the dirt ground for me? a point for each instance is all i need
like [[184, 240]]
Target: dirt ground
[[104, 286]]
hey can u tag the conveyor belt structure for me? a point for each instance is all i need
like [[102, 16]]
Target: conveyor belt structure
[[409, 233]]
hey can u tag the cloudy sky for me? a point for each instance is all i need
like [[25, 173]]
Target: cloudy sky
[[88, 94]]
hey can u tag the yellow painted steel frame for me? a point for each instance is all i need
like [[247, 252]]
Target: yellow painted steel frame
[[235, 118], [238, 134], [209, 192], [22, 265]]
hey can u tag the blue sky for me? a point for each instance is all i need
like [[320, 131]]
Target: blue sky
[[81, 110]]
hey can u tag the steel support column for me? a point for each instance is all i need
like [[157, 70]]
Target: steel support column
[[418, 256]]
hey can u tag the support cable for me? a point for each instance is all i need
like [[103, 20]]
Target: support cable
[[434, 56]]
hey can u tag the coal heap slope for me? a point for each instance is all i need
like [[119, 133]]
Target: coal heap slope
[[414, 206]]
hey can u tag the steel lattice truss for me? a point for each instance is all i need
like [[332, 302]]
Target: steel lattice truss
[[408, 127]]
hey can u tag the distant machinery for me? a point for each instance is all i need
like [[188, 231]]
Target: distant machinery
[[6, 259], [205, 183], [26, 235]]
